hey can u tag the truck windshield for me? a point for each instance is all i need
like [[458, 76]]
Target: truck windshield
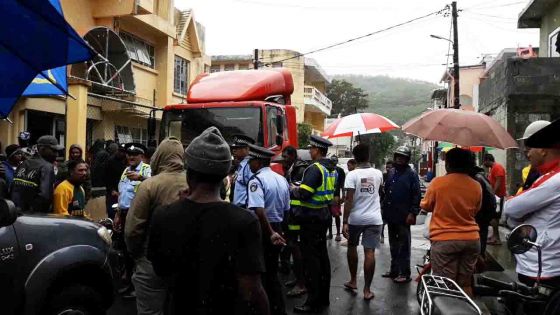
[[186, 124]]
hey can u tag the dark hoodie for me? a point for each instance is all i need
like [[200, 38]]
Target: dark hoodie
[[163, 188], [313, 178]]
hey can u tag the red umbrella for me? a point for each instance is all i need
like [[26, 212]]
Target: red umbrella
[[359, 124], [461, 127]]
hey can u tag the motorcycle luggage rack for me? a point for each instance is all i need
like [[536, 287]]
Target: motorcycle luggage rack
[[432, 286]]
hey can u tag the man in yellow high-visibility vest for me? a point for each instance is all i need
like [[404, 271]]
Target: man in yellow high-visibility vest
[[313, 196]]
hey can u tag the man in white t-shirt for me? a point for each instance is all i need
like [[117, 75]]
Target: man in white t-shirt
[[362, 216]]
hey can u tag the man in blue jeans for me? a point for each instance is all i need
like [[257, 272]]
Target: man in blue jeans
[[400, 208]]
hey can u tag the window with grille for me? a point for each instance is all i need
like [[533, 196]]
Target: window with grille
[[181, 77], [124, 134], [139, 50], [214, 69], [229, 67]]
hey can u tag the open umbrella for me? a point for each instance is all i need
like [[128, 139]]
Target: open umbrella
[[464, 128], [359, 124], [35, 37]]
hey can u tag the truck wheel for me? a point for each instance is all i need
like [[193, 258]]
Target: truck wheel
[[76, 299]]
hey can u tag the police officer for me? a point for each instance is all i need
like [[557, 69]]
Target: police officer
[[313, 197], [240, 151], [268, 194], [136, 172]]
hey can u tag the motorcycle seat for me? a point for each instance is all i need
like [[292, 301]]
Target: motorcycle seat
[[445, 305]]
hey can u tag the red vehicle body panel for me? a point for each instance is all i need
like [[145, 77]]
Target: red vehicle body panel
[[238, 86], [247, 88]]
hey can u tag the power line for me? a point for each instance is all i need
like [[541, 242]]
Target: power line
[[478, 6], [361, 37]]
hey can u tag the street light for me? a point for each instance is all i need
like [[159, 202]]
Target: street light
[[456, 99], [439, 37]]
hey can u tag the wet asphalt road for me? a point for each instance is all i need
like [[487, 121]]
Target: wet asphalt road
[[390, 298]]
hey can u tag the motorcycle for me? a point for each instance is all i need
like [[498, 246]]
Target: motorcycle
[[517, 298]]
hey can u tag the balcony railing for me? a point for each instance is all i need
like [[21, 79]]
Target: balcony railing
[[315, 98]]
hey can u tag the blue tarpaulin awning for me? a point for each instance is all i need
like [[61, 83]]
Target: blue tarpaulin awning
[[35, 37]]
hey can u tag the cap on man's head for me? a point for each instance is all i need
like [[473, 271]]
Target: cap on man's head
[[318, 142], [546, 138], [534, 127], [241, 141], [135, 148], [49, 141], [209, 153], [256, 152]]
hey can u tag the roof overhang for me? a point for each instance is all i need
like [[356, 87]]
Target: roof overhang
[[315, 72], [531, 16]]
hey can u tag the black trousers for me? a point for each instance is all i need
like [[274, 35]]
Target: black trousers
[[316, 261], [271, 282], [399, 242]]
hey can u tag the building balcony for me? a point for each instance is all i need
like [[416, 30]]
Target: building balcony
[[315, 101]]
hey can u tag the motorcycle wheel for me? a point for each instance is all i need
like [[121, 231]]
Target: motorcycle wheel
[[553, 305]]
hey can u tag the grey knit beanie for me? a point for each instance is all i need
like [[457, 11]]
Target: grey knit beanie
[[209, 153]]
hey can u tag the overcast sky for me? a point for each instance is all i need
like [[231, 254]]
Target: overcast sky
[[485, 27]]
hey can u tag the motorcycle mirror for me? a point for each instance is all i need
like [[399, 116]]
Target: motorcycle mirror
[[522, 239], [8, 212]]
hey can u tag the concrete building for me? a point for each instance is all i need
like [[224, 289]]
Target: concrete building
[[519, 88], [148, 53], [469, 78], [310, 81]]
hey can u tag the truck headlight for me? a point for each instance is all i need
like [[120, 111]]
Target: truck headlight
[[105, 235]]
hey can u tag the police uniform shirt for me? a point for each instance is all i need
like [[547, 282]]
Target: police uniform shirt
[[242, 179], [269, 190], [128, 188]]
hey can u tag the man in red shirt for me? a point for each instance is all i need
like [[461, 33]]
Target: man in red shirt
[[497, 179]]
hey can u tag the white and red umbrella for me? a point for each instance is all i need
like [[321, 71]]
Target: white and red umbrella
[[359, 124]]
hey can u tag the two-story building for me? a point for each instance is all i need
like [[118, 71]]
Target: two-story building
[[310, 81], [147, 54]]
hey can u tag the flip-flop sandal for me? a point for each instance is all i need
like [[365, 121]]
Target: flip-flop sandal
[[402, 279], [369, 298], [347, 286], [295, 292]]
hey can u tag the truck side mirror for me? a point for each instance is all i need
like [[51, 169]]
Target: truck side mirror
[[279, 140], [8, 213], [151, 128], [280, 122]]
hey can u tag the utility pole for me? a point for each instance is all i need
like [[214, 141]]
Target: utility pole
[[456, 99], [256, 60]]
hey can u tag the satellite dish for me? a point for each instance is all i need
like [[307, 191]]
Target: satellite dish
[[111, 69]]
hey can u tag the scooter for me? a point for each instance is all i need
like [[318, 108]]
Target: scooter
[[517, 298]]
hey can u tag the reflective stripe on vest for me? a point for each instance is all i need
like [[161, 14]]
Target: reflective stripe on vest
[[142, 172], [322, 195]]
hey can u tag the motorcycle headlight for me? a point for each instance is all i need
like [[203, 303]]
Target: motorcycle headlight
[[105, 235]]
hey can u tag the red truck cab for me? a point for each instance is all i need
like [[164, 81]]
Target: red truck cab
[[255, 103]]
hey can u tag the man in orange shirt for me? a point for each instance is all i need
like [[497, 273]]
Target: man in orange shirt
[[497, 179], [454, 200]]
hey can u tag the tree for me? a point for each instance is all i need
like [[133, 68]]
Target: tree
[[381, 146], [304, 131], [346, 98]]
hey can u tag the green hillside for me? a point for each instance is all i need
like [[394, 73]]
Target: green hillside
[[397, 99]]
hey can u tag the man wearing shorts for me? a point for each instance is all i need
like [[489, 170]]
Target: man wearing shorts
[[362, 216]]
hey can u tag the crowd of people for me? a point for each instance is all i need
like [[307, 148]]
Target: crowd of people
[[208, 229]]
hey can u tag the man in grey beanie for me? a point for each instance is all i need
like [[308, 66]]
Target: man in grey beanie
[[208, 251]]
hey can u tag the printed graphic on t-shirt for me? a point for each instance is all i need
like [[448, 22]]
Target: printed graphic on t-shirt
[[367, 185]]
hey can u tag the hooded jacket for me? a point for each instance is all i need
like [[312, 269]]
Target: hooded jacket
[[163, 188]]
